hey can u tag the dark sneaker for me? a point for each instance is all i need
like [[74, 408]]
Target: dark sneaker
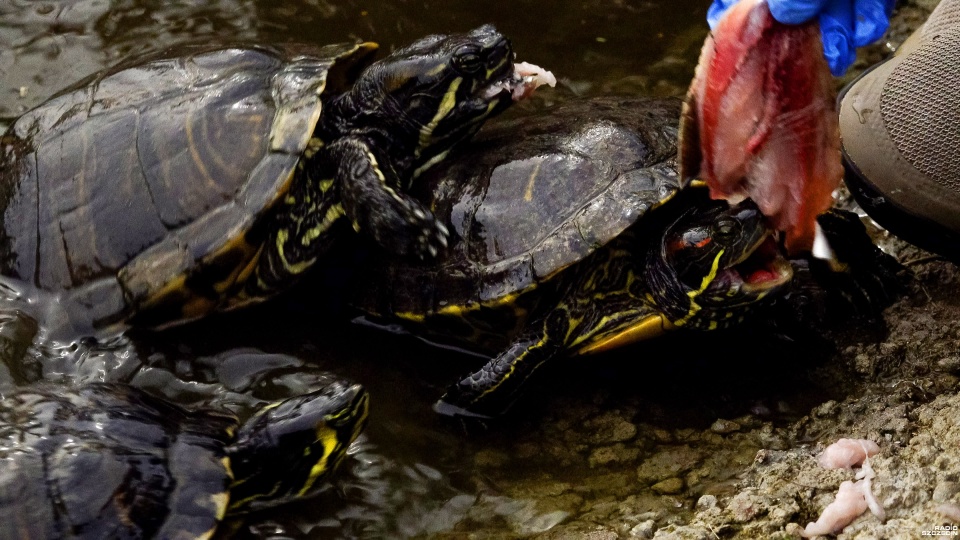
[[900, 124]]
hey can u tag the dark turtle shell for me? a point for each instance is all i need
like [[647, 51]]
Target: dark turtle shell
[[528, 197], [198, 148], [110, 461]]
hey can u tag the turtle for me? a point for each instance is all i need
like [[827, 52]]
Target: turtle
[[201, 180], [572, 234], [109, 460]]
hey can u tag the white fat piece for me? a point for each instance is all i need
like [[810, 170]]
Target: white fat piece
[[526, 78]]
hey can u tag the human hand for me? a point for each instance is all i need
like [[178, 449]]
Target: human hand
[[844, 24]]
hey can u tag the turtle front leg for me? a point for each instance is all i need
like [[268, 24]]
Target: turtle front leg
[[491, 390], [375, 207]]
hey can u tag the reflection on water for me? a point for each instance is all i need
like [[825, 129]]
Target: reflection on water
[[411, 473], [398, 480], [594, 46]]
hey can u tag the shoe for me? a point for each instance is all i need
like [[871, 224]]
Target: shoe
[[900, 126]]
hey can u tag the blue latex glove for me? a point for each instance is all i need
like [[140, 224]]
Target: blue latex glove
[[844, 24]]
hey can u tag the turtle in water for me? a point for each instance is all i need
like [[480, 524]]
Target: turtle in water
[[572, 235], [107, 460], [166, 189]]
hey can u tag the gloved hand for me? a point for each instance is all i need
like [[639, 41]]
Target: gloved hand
[[844, 24]]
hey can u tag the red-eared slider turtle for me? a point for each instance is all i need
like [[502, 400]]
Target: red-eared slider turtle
[[107, 460], [572, 235], [162, 191]]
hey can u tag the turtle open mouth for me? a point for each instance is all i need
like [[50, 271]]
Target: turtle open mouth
[[526, 78], [764, 269]]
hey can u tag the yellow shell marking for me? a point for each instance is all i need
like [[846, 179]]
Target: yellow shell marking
[[251, 266], [528, 194], [647, 328], [220, 502], [192, 146]]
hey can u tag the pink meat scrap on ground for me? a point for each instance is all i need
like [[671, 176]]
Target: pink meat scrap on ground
[[853, 498]]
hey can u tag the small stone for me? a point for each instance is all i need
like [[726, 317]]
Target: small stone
[[670, 486], [826, 409], [600, 534], [667, 463], [864, 364], [491, 458], [707, 501], [610, 428], [950, 364], [745, 506], [644, 530], [723, 427], [945, 491], [793, 529], [617, 453]]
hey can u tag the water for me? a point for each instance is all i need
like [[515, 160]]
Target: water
[[596, 46], [412, 473]]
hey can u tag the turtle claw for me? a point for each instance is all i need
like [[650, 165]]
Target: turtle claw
[[444, 234], [409, 229], [432, 241]]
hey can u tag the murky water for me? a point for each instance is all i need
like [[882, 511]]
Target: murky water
[[412, 473], [594, 46]]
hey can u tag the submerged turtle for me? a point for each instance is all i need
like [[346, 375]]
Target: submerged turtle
[[107, 460], [164, 190], [573, 236]]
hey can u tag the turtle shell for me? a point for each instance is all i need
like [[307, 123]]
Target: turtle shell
[[110, 461], [530, 196], [113, 191]]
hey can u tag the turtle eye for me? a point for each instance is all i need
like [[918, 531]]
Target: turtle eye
[[727, 228], [467, 59]]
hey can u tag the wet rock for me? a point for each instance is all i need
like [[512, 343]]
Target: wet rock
[[707, 501], [949, 363], [669, 462], [684, 533], [723, 427], [945, 491], [491, 458], [643, 530], [610, 428], [615, 454], [670, 486], [827, 409], [746, 506]]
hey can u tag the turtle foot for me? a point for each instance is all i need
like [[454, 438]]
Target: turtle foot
[[410, 230]]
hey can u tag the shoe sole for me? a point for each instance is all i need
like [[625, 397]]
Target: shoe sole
[[906, 219]]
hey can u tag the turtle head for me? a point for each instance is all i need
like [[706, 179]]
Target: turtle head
[[714, 263], [288, 449], [434, 93]]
